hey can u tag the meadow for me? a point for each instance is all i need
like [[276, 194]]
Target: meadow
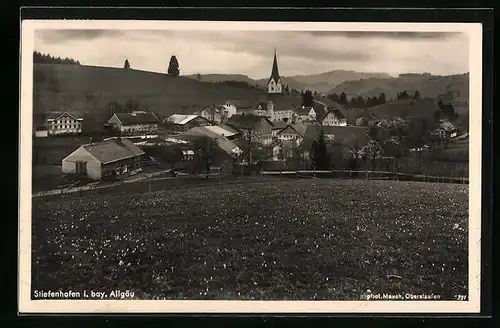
[[286, 240]]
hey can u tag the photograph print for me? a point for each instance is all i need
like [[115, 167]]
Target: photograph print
[[255, 167]]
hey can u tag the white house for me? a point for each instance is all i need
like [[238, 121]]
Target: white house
[[213, 114], [110, 158], [237, 106], [305, 114], [59, 123], [137, 121], [334, 118]]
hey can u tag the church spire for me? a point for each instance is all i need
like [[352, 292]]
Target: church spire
[[274, 83], [275, 73]]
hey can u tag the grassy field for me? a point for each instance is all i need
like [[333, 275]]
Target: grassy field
[[92, 88], [306, 239]]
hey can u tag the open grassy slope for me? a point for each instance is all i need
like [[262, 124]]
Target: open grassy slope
[[313, 239], [92, 88]]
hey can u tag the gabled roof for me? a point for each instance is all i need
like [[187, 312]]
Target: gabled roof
[[303, 110], [181, 119], [299, 128], [113, 150], [281, 101], [344, 135], [447, 126], [328, 102], [53, 115], [222, 142], [336, 113], [248, 121], [279, 125], [139, 117], [219, 130]]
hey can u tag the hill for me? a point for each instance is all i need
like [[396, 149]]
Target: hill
[[427, 85], [324, 82], [316, 82], [424, 108], [91, 89]]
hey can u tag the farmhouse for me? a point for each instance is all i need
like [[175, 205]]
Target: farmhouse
[[277, 127], [345, 136], [305, 114], [111, 158], [185, 122], [294, 132], [226, 145], [136, 121], [238, 106], [257, 128], [334, 117], [444, 131], [213, 114], [63, 123]]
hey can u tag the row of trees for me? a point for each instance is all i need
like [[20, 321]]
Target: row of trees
[[173, 66], [39, 58], [359, 101]]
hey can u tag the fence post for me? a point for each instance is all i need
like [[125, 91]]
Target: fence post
[[366, 174], [350, 173]]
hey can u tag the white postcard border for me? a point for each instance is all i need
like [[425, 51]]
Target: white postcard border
[[26, 305]]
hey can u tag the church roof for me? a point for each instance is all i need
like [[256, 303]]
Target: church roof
[[274, 73]]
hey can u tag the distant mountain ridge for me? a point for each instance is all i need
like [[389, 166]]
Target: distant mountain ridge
[[455, 87]]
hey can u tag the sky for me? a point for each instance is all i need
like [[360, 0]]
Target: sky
[[251, 52]]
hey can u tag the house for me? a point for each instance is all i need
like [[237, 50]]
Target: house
[[334, 117], [226, 145], [444, 131], [63, 123], [345, 136], [258, 128], [305, 114], [277, 127], [238, 106], [213, 114], [136, 121], [185, 122], [293, 132], [224, 130], [106, 159]]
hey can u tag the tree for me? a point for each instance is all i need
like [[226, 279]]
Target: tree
[[198, 76], [343, 98], [127, 64], [173, 66], [307, 98], [207, 153], [416, 95], [381, 98], [319, 153]]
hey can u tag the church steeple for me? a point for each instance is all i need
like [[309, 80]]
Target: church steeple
[[274, 84]]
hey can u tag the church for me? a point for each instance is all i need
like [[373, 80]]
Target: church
[[274, 85], [276, 104]]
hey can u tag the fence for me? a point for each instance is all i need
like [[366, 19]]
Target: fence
[[366, 174]]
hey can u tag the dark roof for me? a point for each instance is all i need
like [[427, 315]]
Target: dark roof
[[274, 73], [299, 128], [248, 121], [55, 114], [240, 103], [300, 110], [335, 112], [447, 126], [113, 150], [281, 101], [328, 102], [137, 118], [279, 125], [345, 135]]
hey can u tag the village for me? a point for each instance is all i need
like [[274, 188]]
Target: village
[[276, 132]]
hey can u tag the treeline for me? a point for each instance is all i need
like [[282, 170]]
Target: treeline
[[240, 84], [359, 101], [39, 58]]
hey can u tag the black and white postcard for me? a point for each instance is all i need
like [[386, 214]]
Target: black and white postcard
[[258, 167]]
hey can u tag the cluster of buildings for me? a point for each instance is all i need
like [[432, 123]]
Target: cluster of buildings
[[275, 121]]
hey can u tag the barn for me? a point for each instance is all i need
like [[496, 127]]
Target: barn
[[106, 159]]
